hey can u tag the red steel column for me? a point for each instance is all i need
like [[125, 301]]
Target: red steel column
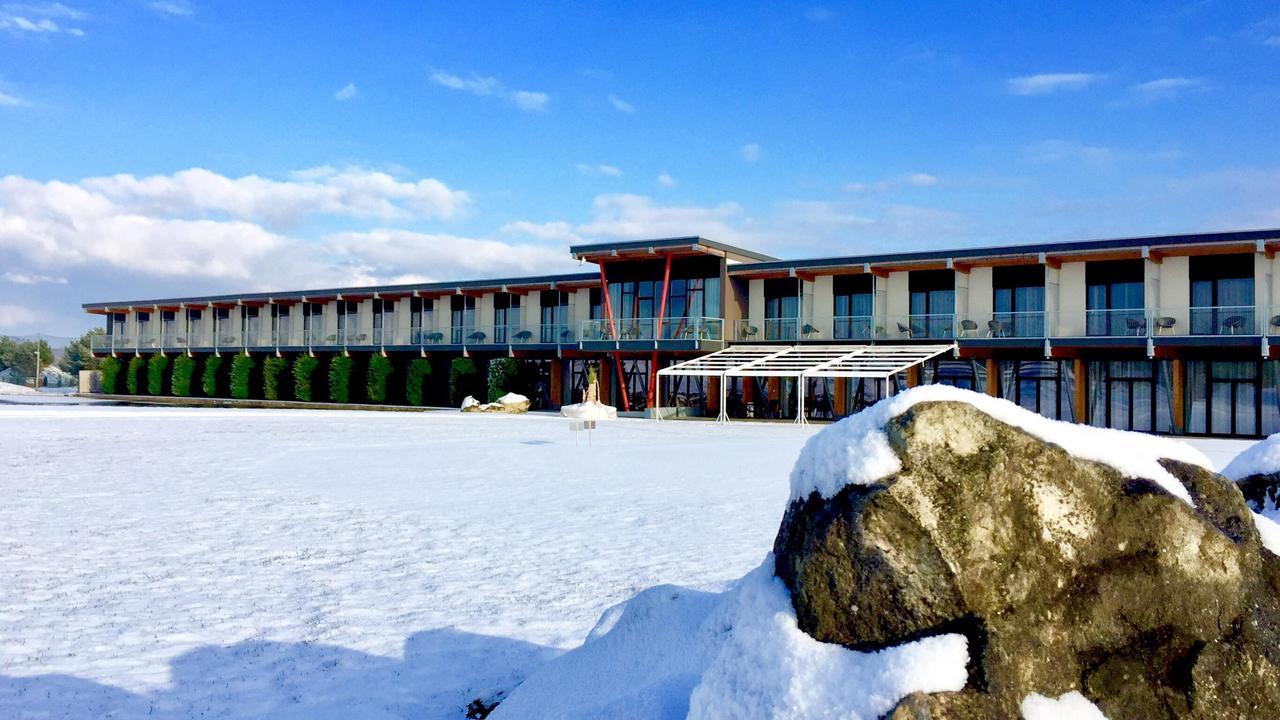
[[613, 330], [662, 314]]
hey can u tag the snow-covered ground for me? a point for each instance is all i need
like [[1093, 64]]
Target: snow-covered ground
[[249, 563]]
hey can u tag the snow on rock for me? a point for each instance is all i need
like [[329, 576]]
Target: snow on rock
[[589, 411], [513, 399], [469, 402], [1070, 706], [1260, 458], [856, 451], [672, 652], [11, 389]]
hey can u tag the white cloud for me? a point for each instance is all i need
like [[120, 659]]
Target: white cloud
[[751, 152], [609, 170], [637, 217], [557, 230], [1052, 151], [18, 278], [178, 8], [915, 179], [666, 180], [12, 101], [526, 100], [13, 317], [1046, 83], [1166, 88], [347, 92], [381, 253], [621, 105], [353, 192], [47, 19]]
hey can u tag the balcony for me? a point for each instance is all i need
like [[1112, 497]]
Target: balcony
[[648, 330], [933, 326], [1031, 324]]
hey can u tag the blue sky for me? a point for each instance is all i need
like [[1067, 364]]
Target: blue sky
[[151, 149]]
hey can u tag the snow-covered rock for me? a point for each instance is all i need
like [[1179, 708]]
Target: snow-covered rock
[[469, 404], [1115, 564], [590, 410], [672, 653], [12, 389], [509, 403], [54, 376]]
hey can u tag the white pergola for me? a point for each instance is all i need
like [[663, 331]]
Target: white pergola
[[803, 361]]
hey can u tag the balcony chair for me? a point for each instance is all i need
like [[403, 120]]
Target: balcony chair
[[523, 336], [905, 331], [435, 338], [631, 333], [751, 331], [476, 337], [808, 331], [1164, 322], [361, 338], [967, 326], [1136, 326], [1233, 324], [1274, 329], [331, 339], [566, 336], [995, 329]]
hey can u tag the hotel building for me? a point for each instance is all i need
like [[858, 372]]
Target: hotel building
[[1169, 334]]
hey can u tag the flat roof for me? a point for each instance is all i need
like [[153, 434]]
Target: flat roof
[[1070, 246], [693, 242], [432, 287]]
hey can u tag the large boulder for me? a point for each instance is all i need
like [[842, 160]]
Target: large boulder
[[1073, 560]]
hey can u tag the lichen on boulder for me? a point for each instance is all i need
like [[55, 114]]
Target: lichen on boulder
[[1135, 578]]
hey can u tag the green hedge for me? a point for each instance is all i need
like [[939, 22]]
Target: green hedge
[[110, 368], [155, 374], [184, 369], [462, 377], [340, 379], [376, 382], [133, 374], [415, 381], [271, 369], [241, 369], [209, 378], [304, 368], [503, 374]]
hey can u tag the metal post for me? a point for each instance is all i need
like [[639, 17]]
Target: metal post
[[800, 418], [723, 416]]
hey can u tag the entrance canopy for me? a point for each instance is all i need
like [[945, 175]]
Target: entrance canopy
[[805, 361]]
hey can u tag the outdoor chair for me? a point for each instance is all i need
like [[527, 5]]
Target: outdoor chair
[[751, 331], [967, 326], [995, 329], [904, 330], [1233, 324], [435, 338], [1163, 323], [1136, 326], [331, 339], [523, 336], [361, 337], [808, 331], [476, 337], [566, 336], [1275, 325]]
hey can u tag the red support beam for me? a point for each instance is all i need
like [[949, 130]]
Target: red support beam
[[613, 332], [662, 315]]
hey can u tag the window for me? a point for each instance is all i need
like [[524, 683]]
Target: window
[[506, 316], [222, 327], [853, 307], [349, 322], [249, 325], [1223, 397], [280, 325], [933, 302], [1222, 295], [1042, 386], [195, 329], [1131, 395], [967, 374], [554, 320], [462, 318], [1114, 302], [1018, 299], [384, 321], [169, 325], [144, 326], [781, 308]]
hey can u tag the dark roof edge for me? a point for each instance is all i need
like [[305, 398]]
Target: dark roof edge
[[574, 250], [482, 283]]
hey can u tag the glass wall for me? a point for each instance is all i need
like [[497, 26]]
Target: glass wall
[[1222, 295], [781, 308], [554, 319], [853, 307], [1131, 395], [1114, 302], [1223, 396], [967, 374], [1046, 387], [462, 318], [933, 303], [1018, 298], [506, 317]]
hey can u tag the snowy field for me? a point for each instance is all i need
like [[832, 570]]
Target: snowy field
[[248, 563]]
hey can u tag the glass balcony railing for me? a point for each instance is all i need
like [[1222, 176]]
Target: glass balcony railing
[[932, 326], [1117, 322], [1029, 324], [560, 333], [693, 328], [650, 330], [227, 339]]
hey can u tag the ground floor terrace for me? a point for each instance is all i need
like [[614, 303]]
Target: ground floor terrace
[[1229, 391]]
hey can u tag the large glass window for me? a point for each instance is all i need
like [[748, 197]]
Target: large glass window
[[349, 322], [967, 374], [1043, 386], [933, 303], [1018, 299], [781, 308], [1114, 302], [1131, 395], [384, 321], [169, 325], [853, 307], [280, 329], [313, 323], [250, 324], [1223, 397], [1222, 295], [506, 317], [195, 333], [554, 322], [462, 318]]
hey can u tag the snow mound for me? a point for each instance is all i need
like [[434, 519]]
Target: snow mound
[[674, 653], [589, 411], [512, 399], [1260, 458], [855, 451], [1070, 706], [11, 389], [468, 401]]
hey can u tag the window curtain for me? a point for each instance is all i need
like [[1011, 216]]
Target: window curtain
[[1097, 389], [1008, 370], [1164, 396], [1067, 391], [1270, 397], [1197, 391]]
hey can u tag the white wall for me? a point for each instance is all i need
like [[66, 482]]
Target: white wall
[[1071, 299]]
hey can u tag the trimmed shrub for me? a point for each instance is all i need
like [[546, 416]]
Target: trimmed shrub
[[241, 369], [184, 369], [340, 379], [133, 374], [110, 368], [462, 378], [155, 374], [209, 378], [415, 382], [271, 369], [304, 369], [503, 373], [376, 383]]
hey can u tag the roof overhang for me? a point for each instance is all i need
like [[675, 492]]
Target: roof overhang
[[803, 361]]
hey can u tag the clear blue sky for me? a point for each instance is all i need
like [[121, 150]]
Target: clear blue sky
[[160, 148]]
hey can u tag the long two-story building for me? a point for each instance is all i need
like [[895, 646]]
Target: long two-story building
[[1169, 334]]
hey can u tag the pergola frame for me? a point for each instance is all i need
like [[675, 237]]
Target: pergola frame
[[802, 361]]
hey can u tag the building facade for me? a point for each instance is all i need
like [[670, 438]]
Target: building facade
[[1169, 334]]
